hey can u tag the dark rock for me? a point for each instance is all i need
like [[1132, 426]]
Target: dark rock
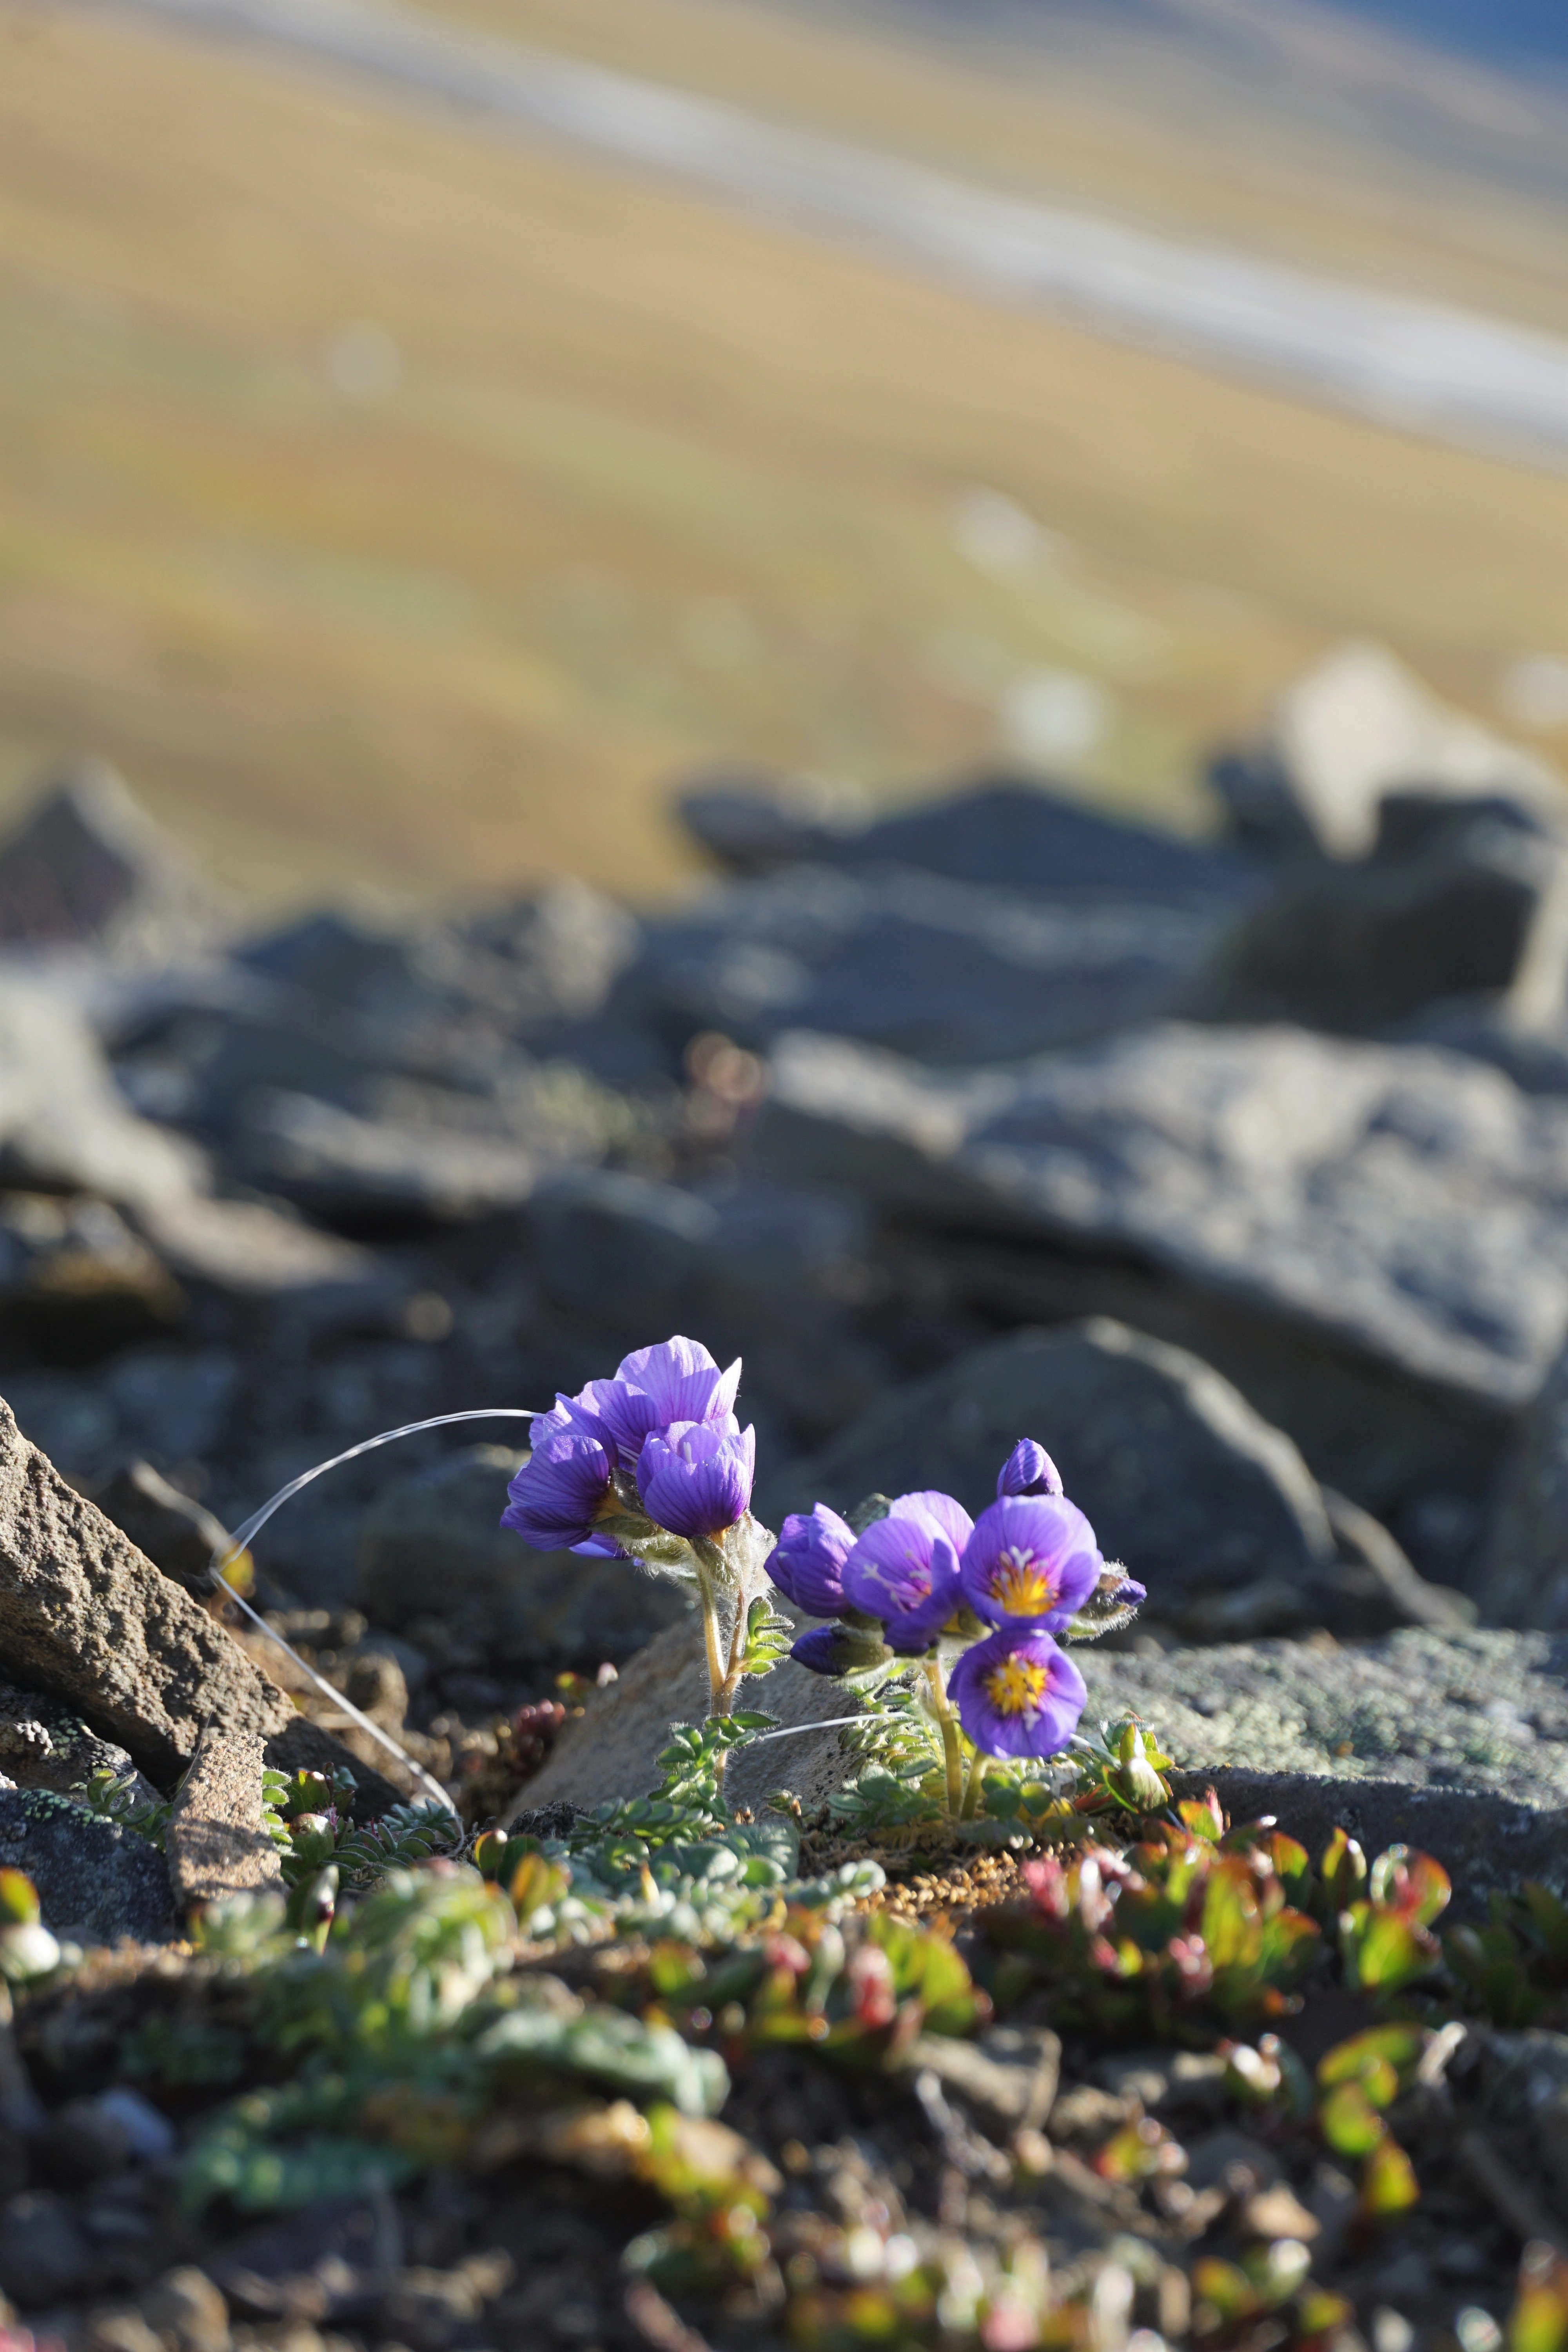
[[1180, 1478], [45, 1744], [43, 2255], [1472, 1710], [84, 1617], [332, 2261], [75, 1284], [88, 868], [175, 1532], [764, 1271], [1353, 729], [1401, 1202], [1377, 1585], [1006, 835], [433, 1547], [1008, 2076], [1523, 1575], [1471, 902], [1484, 1840], [945, 970], [95, 1880], [305, 1746], [173, 1401], [216, 1842], [1397, 1444], [186, 2307]]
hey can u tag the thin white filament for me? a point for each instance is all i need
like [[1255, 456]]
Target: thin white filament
[[793, 1730], [245, 1535]]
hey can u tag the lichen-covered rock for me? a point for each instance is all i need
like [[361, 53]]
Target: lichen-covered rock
[[86, 1618], [216, 1842], [45, 1744], [96, 1879], [1468, 1710]]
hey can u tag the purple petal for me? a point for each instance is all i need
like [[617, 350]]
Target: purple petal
[[950, 1516], [696, 1480], [807, 1562], [1032, 1559], [656, 1387], [1029, 1470], [1017, 1694], [554, 1498], [890, 1570], [915, 1630]]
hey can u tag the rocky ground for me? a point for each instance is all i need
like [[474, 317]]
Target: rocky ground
[[1236, 1172]]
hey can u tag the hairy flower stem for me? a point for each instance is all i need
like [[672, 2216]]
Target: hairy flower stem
[[948, 1722], [710, 1636], [976, 1783]]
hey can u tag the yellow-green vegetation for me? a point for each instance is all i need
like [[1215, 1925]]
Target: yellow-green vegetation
[[635, 484]]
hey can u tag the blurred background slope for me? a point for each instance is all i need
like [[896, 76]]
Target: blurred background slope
[[397, 502]]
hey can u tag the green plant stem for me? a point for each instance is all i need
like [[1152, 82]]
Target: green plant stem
[[711, 1634], [976, 1781], [951, 1755]]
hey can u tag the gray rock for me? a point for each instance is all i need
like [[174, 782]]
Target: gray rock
[[45, 1744], [1524, 1577], [88, 868], [1353, 729], [760, 1270], [43, 2255], [1180, 1478], [1524, 2079], [171, 1401], [216, 1843], [251, 1249], [63, 1126], [1008, 2076], [175, 1532], [949, 971], [1395, 1442], [611, 1749], [1469, 1710], [1457, 900], [345, 1167], [84, 1617], [94, 1877], [1003, 833], [432, 1548], [75, 1284], [1401, 1202]]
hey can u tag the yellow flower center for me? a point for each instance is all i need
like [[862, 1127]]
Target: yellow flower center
[[1024, 1588], [1016, 1687]]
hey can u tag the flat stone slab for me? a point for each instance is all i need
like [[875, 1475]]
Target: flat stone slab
[[216, 1842], [1476, 1710], [1403, 1201], [87, 1618], [611, 1749], [95, 1879]]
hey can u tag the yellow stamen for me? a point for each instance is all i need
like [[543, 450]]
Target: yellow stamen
[[1024, 1588], [1016, 1687]]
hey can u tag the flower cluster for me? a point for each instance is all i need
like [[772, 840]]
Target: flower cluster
[[919, 1573], [653, 1466], [659, 1443]]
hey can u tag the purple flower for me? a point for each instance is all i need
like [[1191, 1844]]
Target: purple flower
[[1033, 1559], [560, 1490], [653, 1388], [899, 1569], [1029, 1470], [695, 1478], [1017, 1694], [839, 1650], [807, 1562]]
